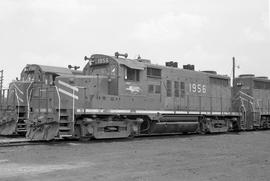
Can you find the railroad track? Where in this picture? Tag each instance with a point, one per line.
(17, 143)
(25, 142)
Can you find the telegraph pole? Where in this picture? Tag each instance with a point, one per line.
(1, 86)
(1, 79)
(233, 70)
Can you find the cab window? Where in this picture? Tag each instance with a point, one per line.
(28, 76)
(100, 70)
(153, 72)
(49, 79)
(132, 74)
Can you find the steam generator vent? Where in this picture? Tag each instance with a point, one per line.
(189, 67)
(171, 64)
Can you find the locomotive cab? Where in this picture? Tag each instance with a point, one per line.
(104, 67)
(91, 97)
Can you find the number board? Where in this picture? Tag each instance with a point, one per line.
(101, 61)
(197, 88)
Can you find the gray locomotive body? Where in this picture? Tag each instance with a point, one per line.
(251, 97)
(19, 99)
(119, 97)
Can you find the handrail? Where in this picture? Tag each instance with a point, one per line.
(73, 107)
(59, 102)
(28, 99)
(18, 102)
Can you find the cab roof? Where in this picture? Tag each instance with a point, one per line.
(124, 61)
(136, 64)
(50, 69)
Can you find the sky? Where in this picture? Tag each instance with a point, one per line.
(206, 33)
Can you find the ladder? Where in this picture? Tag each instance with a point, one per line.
(21, 125)
(66, 124)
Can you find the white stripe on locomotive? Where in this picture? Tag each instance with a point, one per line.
(68, 94)
(67, 85)
(81, 110)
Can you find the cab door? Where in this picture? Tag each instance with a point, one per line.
(113, 80)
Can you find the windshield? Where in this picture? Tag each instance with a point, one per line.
(101, 70)
(107, 70)
(28, 76)
(10, 98)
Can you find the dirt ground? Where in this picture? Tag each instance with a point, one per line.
(244, 156)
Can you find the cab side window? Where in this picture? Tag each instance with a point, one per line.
(132, 74)
(49, 79)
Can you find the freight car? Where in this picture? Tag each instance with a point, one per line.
(15, 101)
(119, 97)
(252, 98)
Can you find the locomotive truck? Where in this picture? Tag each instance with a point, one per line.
(117, 97)
(16, 100)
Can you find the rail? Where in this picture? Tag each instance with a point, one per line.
(25, 142)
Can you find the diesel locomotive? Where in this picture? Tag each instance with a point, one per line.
(16, 100)
(251, 97)
(117, 97)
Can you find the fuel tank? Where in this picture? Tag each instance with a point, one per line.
(175, 124)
